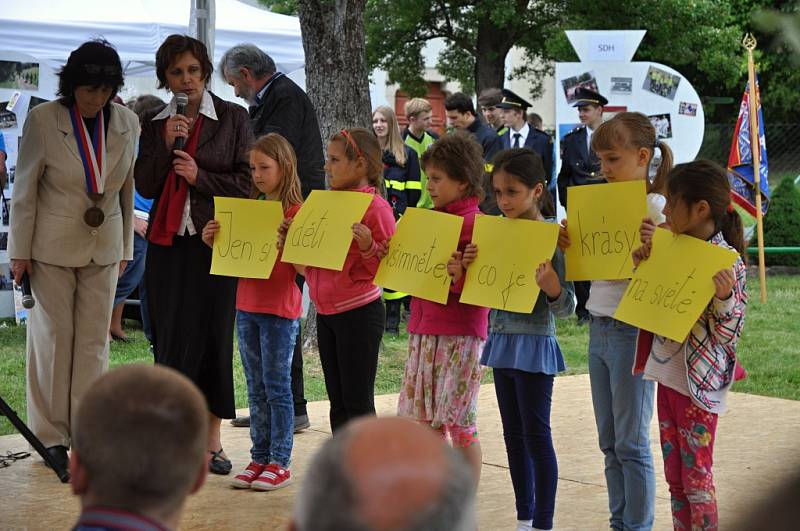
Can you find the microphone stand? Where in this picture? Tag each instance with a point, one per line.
(33, 440)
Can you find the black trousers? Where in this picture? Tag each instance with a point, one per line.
(348, 349)
(192, 318)
(298, 390)
(582, 294)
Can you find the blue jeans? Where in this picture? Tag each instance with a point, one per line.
(623, 409)
(134, 271)
(266, 343)
(524, 399)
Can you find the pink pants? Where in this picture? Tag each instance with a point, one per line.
(687, 442)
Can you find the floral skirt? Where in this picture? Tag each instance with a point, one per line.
(441, 380)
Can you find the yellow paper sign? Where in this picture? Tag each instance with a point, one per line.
(248, 231)
(322, 230)
(670, 289)
(503, 275)
(418, 253)
(604, 221)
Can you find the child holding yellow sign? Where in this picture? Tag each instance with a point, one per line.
(267, 322)
(350, 312)
(443, 373)
(523, 351)
(623, 403)
(694, 376)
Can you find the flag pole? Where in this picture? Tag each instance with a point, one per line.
(749, 43)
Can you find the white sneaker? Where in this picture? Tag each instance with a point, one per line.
(524, 525)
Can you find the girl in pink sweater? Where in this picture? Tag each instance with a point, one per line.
(443, 372)
(350, 313)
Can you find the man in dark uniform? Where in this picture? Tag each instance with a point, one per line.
(520, 134)
(580, 166)
(461, 115)
(278, 105)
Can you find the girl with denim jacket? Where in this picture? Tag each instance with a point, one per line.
(523, 351)
(694, 376)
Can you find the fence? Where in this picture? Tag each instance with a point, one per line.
(783, 148)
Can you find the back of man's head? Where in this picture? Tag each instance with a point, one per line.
(247, 56)
(458, 101)
(386, 474)
(140, 441)
(490, 97)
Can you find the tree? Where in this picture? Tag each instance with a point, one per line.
(478, 36)
(336, 74)
(337, 81)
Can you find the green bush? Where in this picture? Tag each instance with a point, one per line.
(782, 223)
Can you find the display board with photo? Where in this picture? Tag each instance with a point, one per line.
(661, 83)
(687, 109)
(17, 75)
(572, 84)
(621, 85)
(8, 120)
(663, 125)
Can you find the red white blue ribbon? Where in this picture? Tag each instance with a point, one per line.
(92, 149)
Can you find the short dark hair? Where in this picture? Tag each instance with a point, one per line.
(94, 63)
(460, 156)
(176, 45)
(460, 102)
(144, 103)
(525, 166)
(490, 97)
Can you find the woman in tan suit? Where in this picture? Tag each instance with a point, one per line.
(72, 233)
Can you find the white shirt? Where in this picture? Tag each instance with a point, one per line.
(666, 364)
(523, 135)
(207, 110)
(589, 133)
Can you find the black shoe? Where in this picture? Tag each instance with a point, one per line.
(241, 422)
(219, 464)
(584, 319)
(60, 456)
(301, 423)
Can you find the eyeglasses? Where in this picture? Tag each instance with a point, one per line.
(108, 70)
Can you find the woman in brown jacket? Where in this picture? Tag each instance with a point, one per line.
(192, 311)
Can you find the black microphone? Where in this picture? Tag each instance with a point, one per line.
(181, 100)
(28, 301)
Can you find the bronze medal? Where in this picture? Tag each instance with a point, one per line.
(93, 216)
(95, 197)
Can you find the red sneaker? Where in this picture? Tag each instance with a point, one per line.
(248, 475)
(272, 478)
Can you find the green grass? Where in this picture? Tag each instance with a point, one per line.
(769, 350)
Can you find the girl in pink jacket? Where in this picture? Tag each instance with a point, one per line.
(443, 372)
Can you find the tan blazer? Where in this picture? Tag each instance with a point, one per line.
(49, 197)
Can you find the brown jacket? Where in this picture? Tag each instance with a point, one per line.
(221, 157)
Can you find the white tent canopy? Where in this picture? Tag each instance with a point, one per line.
(50, 30)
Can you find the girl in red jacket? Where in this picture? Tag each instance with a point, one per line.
(267, 323)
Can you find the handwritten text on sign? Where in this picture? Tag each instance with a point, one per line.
(245, 244)
(418, 253)
(503, 275)
(670, 289)
(604, 221)
(322, 230)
